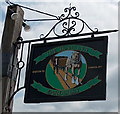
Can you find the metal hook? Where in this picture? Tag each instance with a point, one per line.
(92, 36)
(45, 41)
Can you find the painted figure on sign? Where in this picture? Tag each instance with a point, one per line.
(55, 64)
(73, 63)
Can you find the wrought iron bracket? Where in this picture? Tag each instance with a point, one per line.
(10, 99)
(66, 25)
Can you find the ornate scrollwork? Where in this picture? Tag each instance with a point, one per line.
(69, 13)
(68, 24)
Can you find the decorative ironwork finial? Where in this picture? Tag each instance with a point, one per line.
(70, 24)
(70, 5)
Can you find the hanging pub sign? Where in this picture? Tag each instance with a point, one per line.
(71, 70)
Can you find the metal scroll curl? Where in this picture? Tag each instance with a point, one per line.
(69, 13)
(69, 24)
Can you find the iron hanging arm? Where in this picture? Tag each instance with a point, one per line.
(83, 34)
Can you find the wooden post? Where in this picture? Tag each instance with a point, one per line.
(12, 31)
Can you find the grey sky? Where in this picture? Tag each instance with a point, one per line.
(101, 14)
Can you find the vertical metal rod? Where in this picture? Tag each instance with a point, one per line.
(68, 27)
(18, 82)
(21, 52)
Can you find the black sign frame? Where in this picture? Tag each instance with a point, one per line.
(33, 96)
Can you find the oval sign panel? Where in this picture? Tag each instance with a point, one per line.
(66, 70)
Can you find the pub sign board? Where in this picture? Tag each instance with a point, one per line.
(73, 70)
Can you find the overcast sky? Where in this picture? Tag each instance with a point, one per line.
(101, 14)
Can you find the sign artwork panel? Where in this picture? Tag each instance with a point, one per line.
(67, 71)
